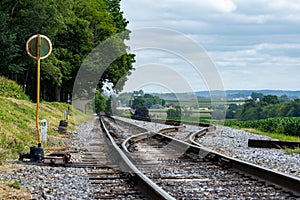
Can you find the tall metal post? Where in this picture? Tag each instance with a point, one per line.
(38, 47)
(38, 86)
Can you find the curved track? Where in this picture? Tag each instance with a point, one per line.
(187, 171)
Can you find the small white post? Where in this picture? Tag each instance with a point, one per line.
(44, 130)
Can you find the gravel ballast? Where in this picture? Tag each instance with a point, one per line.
(234, 143)
(45, 182)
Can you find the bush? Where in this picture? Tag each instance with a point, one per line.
(174, 113)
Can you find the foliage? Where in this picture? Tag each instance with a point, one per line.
(111, 106)
(292, 151)
(100, 102)
(138, 102)
(269, 106)
(9, 88)
(147, 100)
(286, 125)
(75, 29)
(174, 113)
(16, 184)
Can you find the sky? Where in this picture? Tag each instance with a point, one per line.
(253, 44)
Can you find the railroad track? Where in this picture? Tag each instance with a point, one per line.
(111, 174)
(108, 181)
(191, 172)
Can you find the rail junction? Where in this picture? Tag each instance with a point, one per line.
(127, 161)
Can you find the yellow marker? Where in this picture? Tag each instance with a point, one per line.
(38, 86)
(34, 50)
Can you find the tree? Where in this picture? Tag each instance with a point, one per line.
(269, 99)
(138, 102)
(257, 95)
(174, 113)
(284, 98)
(231, 111)
(75, 28)
(100, 102)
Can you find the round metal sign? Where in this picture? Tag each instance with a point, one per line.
(45, 46)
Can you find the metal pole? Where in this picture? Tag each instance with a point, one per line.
(38, 86)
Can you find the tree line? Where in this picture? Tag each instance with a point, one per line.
(75, 29)
(264, 106)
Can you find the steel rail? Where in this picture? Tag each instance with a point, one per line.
(284, 181)
(149, 188)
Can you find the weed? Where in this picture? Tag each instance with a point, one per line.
(16, 184)
(292, 151)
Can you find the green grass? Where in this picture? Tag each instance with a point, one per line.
(279, 136)
(18, 116)
(9, 88)
(17, 124)
(292, 151)
(284, 125)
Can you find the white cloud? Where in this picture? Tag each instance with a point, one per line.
(247, 39)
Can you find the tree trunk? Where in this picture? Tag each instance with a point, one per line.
(57, 93)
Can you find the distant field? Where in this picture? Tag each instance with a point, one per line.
(203, 104)
(162, 114)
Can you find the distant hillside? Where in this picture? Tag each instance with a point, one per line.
(230, 94)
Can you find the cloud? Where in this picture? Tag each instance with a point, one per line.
(247, 39)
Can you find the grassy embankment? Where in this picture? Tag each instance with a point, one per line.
(18, 131)
(17, 121)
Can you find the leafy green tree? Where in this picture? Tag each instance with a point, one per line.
(108, 108)
(138, 102)
(100, 102)
(231, 111)
(269, 99)
(174, 113)
(111, 106)
(75, 28)
(8, 48)
(269, 111)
